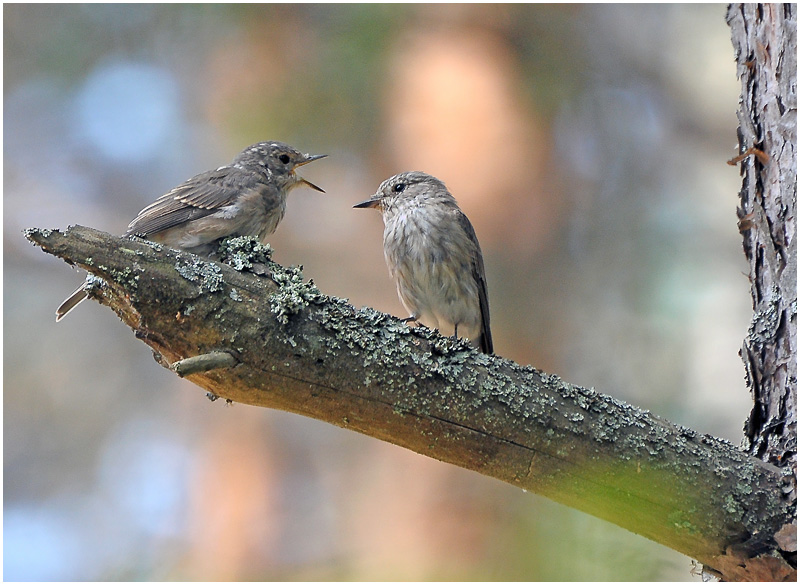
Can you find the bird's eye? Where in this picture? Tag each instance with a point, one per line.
(284, 158)
(399, 187)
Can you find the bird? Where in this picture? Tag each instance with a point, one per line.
(244, 198)
(434, 257)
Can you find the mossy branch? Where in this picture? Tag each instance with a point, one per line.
(296, 349)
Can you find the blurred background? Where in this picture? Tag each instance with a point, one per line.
(587, 144)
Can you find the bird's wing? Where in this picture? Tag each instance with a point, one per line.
(479, 274)
(197, 197)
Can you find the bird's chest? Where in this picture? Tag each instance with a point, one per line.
(416, 242)
(259, 212)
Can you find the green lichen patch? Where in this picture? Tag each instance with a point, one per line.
(128, 277)
(206, 275)
(31, 233)
(243, 252)
(94, 283)
(293, 294)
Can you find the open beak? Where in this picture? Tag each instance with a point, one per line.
(368, 203)
(310, 158)
(310, 184)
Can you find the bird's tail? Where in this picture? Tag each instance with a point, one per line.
(485, 341)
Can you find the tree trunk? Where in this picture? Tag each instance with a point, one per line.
(765, 42)
(298, 350)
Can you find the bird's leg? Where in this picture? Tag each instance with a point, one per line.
(410, 319)
(455, 331)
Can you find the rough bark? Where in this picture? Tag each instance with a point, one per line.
(765, 42)
(765, 39)
(299, 350)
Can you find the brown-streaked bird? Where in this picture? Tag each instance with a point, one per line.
(244, 198)
(433, 254)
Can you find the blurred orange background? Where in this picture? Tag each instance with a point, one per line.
(587, 144)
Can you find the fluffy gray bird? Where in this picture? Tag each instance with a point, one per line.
(244, 198)
(434, 256)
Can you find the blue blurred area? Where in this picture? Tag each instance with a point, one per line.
(127, 111)
(587, 145)
(42, 542)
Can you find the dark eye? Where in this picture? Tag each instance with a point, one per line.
(399, 187)
(284, 158)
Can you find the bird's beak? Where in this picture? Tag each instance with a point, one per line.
(368, 203)
(310, 158)
(310, 184)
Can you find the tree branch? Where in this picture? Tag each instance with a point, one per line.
(298, 350)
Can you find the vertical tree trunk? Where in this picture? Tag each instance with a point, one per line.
(765, 41)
